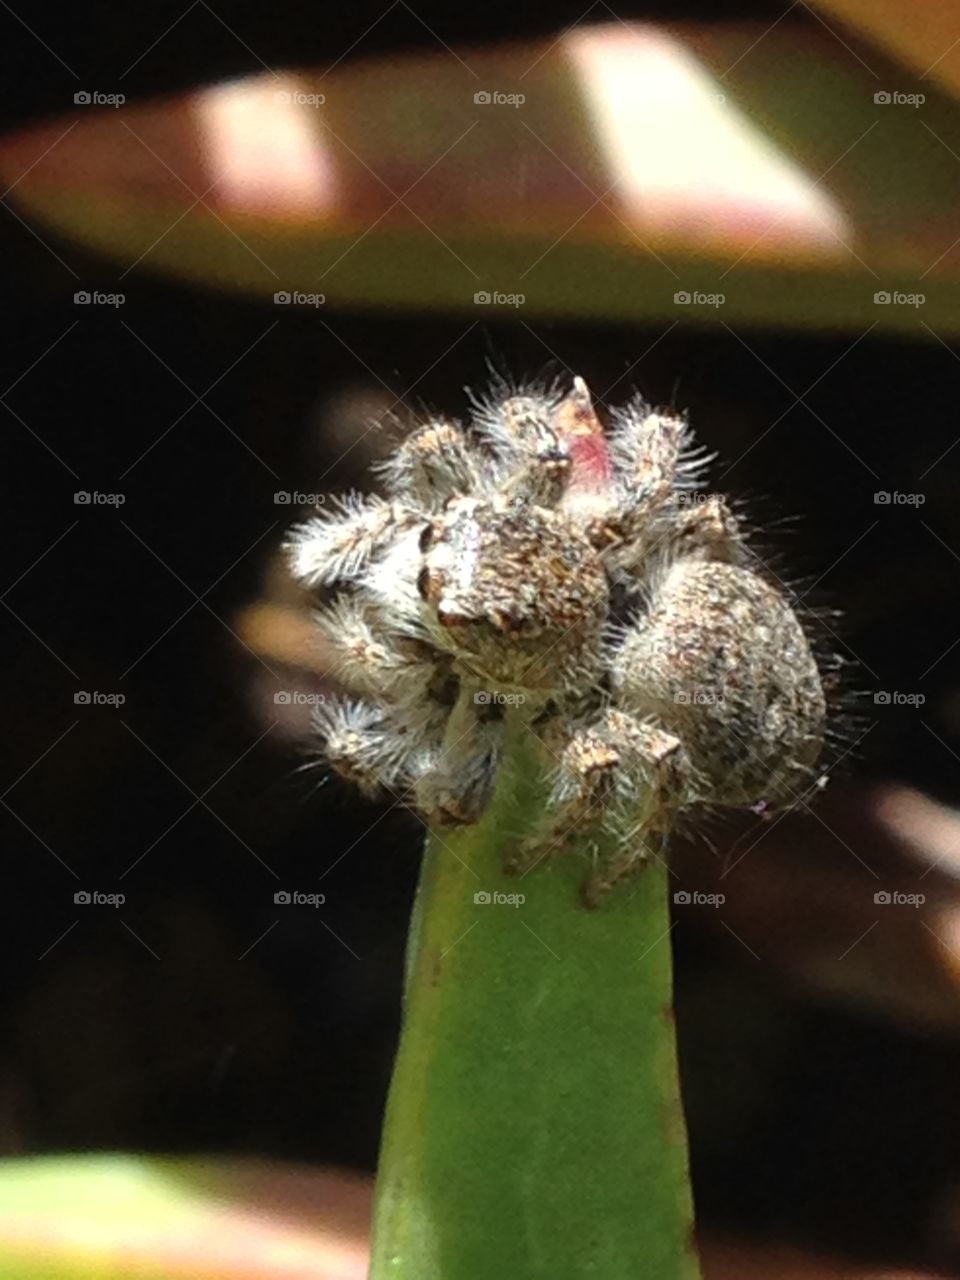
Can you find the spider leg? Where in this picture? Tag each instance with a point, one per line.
(580, 790)
(457, 775)
(652, 784)
(337, 546)
(433, 463)
(386, 668)
(455, 784)
(534, 462)
(362, 745)
(517, 423)
(621, 773)
(652, 459)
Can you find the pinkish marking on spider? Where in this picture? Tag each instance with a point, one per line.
(538, 558)
(577, 424)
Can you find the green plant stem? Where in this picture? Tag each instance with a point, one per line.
(534, 1127)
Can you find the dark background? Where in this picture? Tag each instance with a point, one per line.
(191, 1020)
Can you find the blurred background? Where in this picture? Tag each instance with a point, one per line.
(157, 664)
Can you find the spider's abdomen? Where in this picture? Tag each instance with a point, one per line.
(722, 658)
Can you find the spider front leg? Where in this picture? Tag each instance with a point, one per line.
(533, 463)
(646, 449)
(337, 546)
(455, 777)
(433, 463)
(375, 662)
(363, 745)
(621, 774)
(654, 462)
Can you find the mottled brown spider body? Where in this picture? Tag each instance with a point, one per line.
(510, 583)
(722, 660)
(537, 559)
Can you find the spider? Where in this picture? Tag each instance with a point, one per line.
(534, 562)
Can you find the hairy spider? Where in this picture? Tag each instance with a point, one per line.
(533, 559)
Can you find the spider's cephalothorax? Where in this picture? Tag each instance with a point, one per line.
(507, 581)
(535, 559)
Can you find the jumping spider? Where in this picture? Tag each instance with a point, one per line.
(536, 558)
